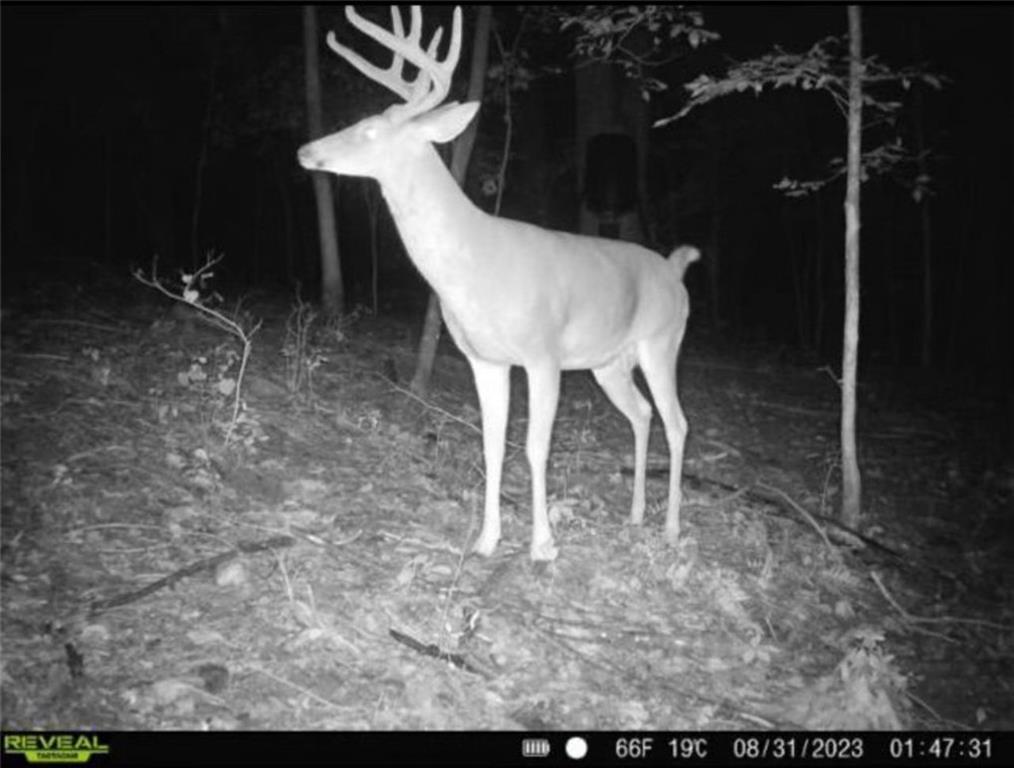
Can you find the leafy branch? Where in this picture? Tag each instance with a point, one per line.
(824, 67)
(638, 38)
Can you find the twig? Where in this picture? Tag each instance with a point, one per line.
(84, 454)
(431, 406)
(191, 296)
(39, 356)
(434, 650)
(955, 724)
(100, 606)
(301, 689)
(458, 570)
(83, 324)
(821, 412)
(831, 374)
(442, 411)
(933, 619)
(507, 118)
(806, 515)
(723, 500)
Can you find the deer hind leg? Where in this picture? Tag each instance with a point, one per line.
(657, 359)
(492, 382)
(543, 395)
(617, 381)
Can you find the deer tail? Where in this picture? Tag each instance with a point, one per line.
(682, 257)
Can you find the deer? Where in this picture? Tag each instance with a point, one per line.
(513, 293)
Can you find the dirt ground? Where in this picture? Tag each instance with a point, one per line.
(313, 572)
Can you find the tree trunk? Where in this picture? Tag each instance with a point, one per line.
(919, 115)
(611, 116)
(714, 268)
(796, 260)
(889, 265)
(459, 165)
(818, 331)
(152, 179)
(372, 195)
(288, 240)
(966, 245)
(256, 229)
(508, 118)
(714, 259)
(332, 292)
(202, 162)
(107, 197)
(851, 482)
(925, 221)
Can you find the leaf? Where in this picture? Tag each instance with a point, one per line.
(169, 690)
(205, 637)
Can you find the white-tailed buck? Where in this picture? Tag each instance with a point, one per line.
(513, 293)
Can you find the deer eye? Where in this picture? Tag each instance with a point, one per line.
(370, 132)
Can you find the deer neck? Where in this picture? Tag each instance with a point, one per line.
(436, 220)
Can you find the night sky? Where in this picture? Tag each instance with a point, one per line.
(109, 112)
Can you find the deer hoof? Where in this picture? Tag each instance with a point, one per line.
(544, 552)
(485, 545)
(672, 536)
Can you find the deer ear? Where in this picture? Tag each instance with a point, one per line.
(446, 122)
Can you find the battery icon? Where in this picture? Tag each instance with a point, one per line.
(535, 748)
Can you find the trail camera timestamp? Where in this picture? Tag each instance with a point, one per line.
(941, 748)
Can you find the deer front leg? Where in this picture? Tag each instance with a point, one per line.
(492, 382)
(543, 394)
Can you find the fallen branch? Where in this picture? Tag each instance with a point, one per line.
(433, 650)
(208, 564)
(802, 511)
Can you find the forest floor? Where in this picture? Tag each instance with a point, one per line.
(314, 573)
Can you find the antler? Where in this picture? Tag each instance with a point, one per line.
(431, 85)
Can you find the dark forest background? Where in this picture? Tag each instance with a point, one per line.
(135, 130)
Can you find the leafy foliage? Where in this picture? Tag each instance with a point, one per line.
(891, 158)
(638, 38)
(824, 67)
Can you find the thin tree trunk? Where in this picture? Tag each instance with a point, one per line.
(256, 227)
(288, 241)
(926, 356)
(508, 119)
(797, 269)
(809, 290)
(108, 198)
(647, 224)
(966, 245)
(373, 210)
(714, 261)
(332, 292)
(927, 282)
(818, 296)
(459, 165)
(897, 328)
(202, 162)
(851, 482)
